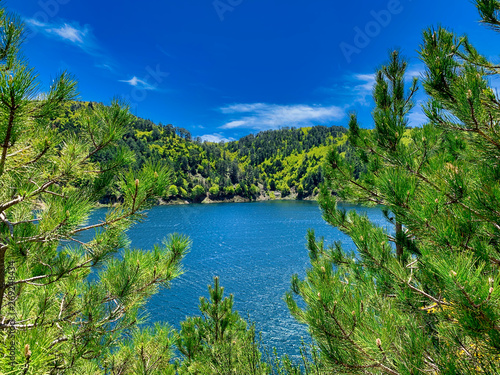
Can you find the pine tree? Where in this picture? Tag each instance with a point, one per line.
(68, 304)
(421, 296)
(219, 341)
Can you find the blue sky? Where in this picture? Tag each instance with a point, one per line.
(226, 68)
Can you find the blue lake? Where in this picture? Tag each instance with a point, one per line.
(254, 248)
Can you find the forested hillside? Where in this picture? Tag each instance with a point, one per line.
(269, 165)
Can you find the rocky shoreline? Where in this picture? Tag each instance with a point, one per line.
(263, 197)
(235, 199)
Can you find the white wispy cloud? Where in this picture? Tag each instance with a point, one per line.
(351, 89)
(363, 88)
(242, 108)
(362, 84)
(139, 83)
(235, 124)
(262, 116)
(69, 32)
(216, 138)
(33, 22)
(105, 66)
(417, 117)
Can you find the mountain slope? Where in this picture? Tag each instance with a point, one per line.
(270, 164)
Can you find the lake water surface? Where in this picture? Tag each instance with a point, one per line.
(254, 248)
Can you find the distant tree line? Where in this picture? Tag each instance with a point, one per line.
(272, 162)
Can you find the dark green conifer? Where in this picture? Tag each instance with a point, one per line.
(67, 302)
(423, 297)
(219, 341)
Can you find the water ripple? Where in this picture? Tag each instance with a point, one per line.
(254, 249)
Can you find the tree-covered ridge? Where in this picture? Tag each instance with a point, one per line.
(270, 164)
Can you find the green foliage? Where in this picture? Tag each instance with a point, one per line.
(291, 155)
(219, 341)
(77, 303)
(310, 363)
(285, 189)
(147, 351)
(214, 191)
(254, 190)
(173, 191)
(423, 296)
(420, 297)
(198, 192)
(490, 12)
(229, 190)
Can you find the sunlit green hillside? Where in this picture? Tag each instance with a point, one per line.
(268, 165)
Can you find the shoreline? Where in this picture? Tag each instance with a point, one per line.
(233, 199)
